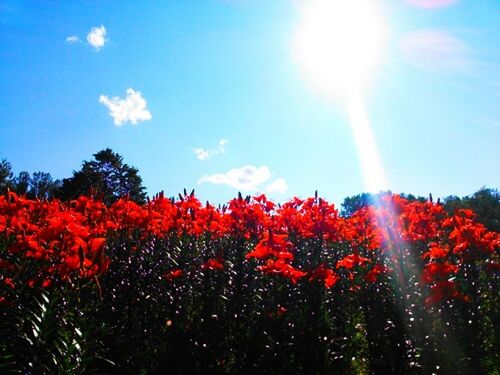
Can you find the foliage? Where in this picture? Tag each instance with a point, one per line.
(485, 203)
(352, 204)
(5, 176)
(104, 175)
(39, 186)
(252, 287)
(21, 183)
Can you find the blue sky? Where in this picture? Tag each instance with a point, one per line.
(218, 80)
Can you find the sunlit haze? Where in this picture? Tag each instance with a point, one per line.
(369, 159)
(339, 42)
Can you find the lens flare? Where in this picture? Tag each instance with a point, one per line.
(338, 42)
(369, 158)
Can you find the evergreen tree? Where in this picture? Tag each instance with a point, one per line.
(5, 176)
(42, 186)
(105, 175)
(21, 183)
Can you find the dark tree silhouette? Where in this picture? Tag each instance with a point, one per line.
(21, 183)
(5, 176)
(105, 175)
(485, 203)
(42, 186)
(354, 203)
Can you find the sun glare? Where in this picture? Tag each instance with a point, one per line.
(371, 165)
(338, 42)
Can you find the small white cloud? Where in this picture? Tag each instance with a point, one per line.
(97, 37)
(131, 109)
(247, 178)
(277, 186)
(203, 154)
(222, 143)
(72, 39)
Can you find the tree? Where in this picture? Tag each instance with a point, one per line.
(485, 203)
(21, 183)
(413, 198)
(5, 176)
(39, 186)
(354, 203)
(42, 186)
(105, 175)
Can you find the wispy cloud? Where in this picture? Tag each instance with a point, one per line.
(72, 39)
(203, 154)
(430, 4)
(277, 186)
(247, 178)
(97, 37)
(434, 50)
(130, 109)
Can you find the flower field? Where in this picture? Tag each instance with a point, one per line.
(177, 286)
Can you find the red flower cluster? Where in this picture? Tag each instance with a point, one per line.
(65, 239)
(68, 240)
(329, 277)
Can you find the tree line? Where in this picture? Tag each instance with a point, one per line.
(108, 177)
(105, 176)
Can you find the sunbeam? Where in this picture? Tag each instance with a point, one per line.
(338, 44)
(371, 165)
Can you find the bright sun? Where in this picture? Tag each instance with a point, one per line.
(338, 42)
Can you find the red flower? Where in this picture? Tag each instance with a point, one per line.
(283, 269)
(281, 311)
(444, 290)
(8, 281)
(351, 261)
(272, 245)
(46, 283)
(96, 244)
(372, 275)
(437, 270)
(73, 261)
(436, 251)
(172, 275)
(212, 265)
(329, 277)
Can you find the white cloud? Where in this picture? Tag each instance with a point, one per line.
(131, 109)
(277, 186)
(247, 178)
(222, 143)
(72, 39)
(97, 37)
(203, 154)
